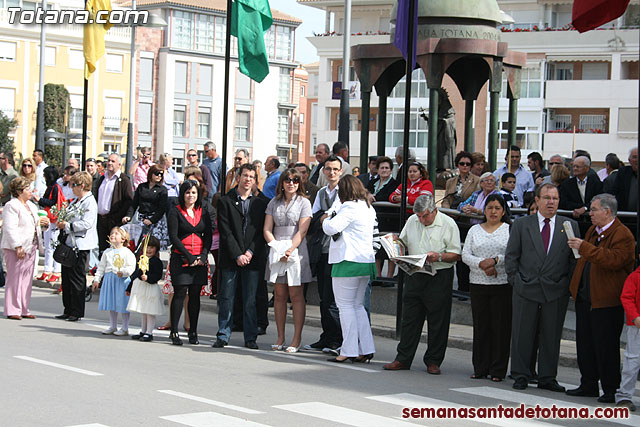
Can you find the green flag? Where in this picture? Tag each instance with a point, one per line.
(254, 17)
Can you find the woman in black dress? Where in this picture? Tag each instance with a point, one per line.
(190, 230)
(151, 200)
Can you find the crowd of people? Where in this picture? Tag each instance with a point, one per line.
(290, 224)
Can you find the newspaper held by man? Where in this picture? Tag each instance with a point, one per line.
(397, 252)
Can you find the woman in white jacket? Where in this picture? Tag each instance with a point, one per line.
(350, 226)
(21, 239)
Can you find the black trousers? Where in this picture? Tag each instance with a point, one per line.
(193, 306)
(491, 311)
(105, 224)
(74, 286)
(426, 297)
(598, 343)
(329, 315)
(262, 305)
(462, 272)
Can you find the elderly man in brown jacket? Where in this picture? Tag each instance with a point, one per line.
(606, 259)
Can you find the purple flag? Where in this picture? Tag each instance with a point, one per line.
(402, 30)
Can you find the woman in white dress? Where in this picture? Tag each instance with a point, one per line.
(285, 227)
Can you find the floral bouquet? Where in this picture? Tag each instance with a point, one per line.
(66, 213)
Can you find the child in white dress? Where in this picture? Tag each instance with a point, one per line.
(116, 265)
(146, 295)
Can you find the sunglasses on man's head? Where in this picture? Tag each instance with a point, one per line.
(293, 179)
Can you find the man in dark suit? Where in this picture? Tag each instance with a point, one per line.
(310, 189)
(242, 250)
(373, 172)
(114, 194)
(626, 184)
(539, 266)
(576, 192)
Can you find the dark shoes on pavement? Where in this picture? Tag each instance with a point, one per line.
(551, 386)
(219, 343)
(433, 369)
(626, 404)
(607, 398)
(262, 331)
(62, 316)
(395, 366)
(72, 319)
(521, 384)
(318, 346)
(251, 345)
(193, 338)
(580, 391)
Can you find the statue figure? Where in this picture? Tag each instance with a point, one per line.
(446, 131)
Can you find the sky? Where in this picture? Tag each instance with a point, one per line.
(312, 21)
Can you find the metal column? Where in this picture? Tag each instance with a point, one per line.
(469, 140)
(433, 134)
(364, 131)
(382, 122)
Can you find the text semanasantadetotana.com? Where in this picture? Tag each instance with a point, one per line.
(518, 412)
(77, 16)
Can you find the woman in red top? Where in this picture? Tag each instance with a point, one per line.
(190, 231)
(418, 185)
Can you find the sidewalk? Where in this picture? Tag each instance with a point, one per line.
(382, 325)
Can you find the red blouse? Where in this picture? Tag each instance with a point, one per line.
(193, 242)
(415, 190)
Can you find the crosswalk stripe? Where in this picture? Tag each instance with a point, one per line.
(532, 400)
(90, 425)
(210, 419)
(59, 366)
(341, 415)
(408, 400)
(211, 402)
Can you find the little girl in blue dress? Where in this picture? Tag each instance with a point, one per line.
(116, 265)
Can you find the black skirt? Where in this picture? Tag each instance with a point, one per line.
(183, 276)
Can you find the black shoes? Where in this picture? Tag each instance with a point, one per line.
(551, 386)
(365, 358)
(336, 360)
(175, 338)
(580, 391)
(72, 319)
(63, 316)
(607, 398)
(219, 343)
(521, 384)
(318, 345)
(193, 338)
(146, 338)
(251, 344)
(262, 331)
(137, 336)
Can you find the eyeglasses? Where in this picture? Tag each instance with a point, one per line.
(239, 158)
(191, 155)
(27, 166)
(76, 185)
(464, 164)
(158, 173)
(294, 179)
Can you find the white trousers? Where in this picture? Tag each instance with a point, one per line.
(49, 264)
(630, 365)
(357, 338)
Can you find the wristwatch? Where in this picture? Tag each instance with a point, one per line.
(440, 257)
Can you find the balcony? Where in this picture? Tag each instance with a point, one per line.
(112, 125)
(591, 93)
(597, 144)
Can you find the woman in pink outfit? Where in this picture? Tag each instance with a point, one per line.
(21, 239)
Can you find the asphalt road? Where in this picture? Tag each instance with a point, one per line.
(59, 373)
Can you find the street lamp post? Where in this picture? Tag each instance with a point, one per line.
(40, 111)
(66, 139)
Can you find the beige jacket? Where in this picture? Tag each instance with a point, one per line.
(19, 225)
(472, 184)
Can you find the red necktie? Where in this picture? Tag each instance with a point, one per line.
(546, 234)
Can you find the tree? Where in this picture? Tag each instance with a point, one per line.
(6, 125)
(56, 111)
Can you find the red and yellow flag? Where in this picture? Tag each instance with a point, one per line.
(93, 43)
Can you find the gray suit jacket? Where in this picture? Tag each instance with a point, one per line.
(534, 274)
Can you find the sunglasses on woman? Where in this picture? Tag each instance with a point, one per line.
(158, 173)
(27, 166)
(295, 180)
(464, 164)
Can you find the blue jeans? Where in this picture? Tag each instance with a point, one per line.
(229, 279)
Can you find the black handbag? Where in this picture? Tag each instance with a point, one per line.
(64, 254)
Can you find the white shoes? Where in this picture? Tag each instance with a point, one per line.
(109, 331)
(121, 332)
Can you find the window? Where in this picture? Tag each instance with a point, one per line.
(313, 83)
(112, 114)
(144, 118)
(7, 101)
(530, 83)
(204, 118)
(561, 122)
(178, 160)
(352, 74)
(628, 120)
(283, 42)
(146, 74)
(418, 86)
(395, 129)
(527, 137)
(181, 77)
(301, 118)
(314, 115)
(204, 79)
(50, 56)
(593, 123)
(558, 71)
(76, 59)
(7, 51)
(114, 63)
(595, 71)
(302, 90)
(283, 95)
(179, 116)
(283, 126)
(242, 126)
(270, 41)
(112, 148)
(181, 29)
(204, 32)
(243, 86)
(220, 34)
(353, 122)
(75, 115)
